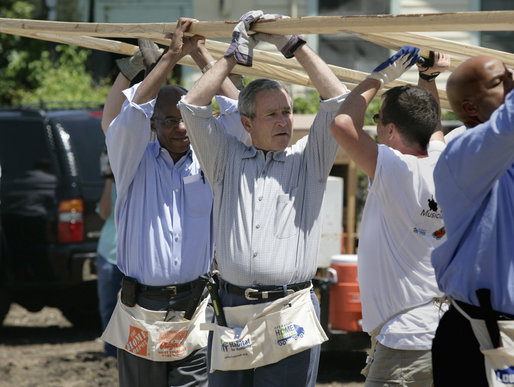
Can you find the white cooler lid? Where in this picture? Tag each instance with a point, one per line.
(343, 258)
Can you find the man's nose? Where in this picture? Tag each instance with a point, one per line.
(282, 119)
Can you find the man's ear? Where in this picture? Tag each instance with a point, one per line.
(247, 123)
(152, 125)
(470, 108)
(471, 111)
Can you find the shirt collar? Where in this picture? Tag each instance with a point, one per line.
(157, 150)
(251, 152)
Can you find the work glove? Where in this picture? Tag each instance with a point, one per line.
(151, 53)
(429, 68)
(286, 44)
(396, 65)
(242, 43)
(131, 66)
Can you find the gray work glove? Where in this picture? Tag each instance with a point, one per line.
(242, 43)
(286, 44)
(151, 53)
(396, 65)
(131, 66)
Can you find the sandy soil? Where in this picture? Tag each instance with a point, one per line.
(44, 349)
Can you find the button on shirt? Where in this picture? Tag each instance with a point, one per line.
(266, 206)
(163, 210)
(474, 180)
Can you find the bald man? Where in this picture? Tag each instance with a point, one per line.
(474, 267)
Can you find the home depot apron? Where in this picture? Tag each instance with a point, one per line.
(499, 362)
(144, 332)
(262, 334)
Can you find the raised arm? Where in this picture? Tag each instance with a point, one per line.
(180, 46)
(240, 51)
(205, 61)
(437, 63)
(145, 58)
(347, 127)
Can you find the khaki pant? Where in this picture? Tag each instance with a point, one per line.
(396, 367)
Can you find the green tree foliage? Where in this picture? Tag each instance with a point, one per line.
(66, 80)
(38, 71)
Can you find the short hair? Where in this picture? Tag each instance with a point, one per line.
(169, 94)
(414, 111)
(246, 102)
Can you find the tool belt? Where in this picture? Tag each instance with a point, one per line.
(495, 334)
(259, 334)
(130, 289)
(480, 313)
(149, 334)
(275, 293)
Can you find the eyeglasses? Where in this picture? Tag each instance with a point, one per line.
(169, 122)
(376, 118)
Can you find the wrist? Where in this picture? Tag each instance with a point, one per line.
(208, 66)
(428, 77)
(201, 56)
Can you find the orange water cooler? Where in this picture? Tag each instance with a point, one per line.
(345, 302)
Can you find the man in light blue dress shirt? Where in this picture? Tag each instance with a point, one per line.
(164, 205)
(474, 180)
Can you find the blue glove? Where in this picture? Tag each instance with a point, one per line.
(395, 65)
(242, 43)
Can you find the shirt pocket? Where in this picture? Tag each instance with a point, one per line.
(197, 197)
(285, 215)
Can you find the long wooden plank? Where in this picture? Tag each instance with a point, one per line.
(265, 64)
(456, 21)
(107, 45)
(457, 50)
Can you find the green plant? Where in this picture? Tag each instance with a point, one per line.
(64, 81)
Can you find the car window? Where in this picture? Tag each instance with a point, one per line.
(88, 141)
(24, 146)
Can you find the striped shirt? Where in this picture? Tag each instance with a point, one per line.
(267, 220)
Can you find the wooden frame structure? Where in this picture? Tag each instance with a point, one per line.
(390, 31)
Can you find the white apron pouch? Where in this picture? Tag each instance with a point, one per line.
(144, 332)
(499, 362)
(262, 334)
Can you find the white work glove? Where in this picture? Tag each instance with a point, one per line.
(286, 44)
(396, 65)
(242, 43)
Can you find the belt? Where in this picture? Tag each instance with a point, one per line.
(169, 290)
(479, 313)
(253, 294)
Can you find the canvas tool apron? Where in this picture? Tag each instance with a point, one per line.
(262, 334)
(144, 332)
(499, 361)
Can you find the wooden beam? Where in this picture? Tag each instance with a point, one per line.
(93, 43)
(265, 64)
(456, 21)
(457, 51)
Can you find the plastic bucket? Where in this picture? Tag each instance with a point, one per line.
(345, 302)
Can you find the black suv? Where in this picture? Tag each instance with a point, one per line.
(49, 190)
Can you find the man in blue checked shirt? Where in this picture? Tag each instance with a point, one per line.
(164, 225)
(474, 180)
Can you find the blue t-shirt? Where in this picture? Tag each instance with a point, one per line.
(107, 242)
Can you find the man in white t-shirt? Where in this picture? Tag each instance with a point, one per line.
(401, 223)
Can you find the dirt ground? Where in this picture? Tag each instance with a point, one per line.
(43, 349)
